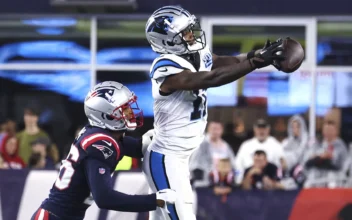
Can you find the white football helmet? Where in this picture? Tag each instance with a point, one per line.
(113, 106)
(166, 29)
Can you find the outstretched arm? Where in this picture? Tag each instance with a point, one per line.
(228, 60)
(219, 61)
(188, 80)
(100, 183)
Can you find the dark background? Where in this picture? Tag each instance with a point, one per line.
(206, 7)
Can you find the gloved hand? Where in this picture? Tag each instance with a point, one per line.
(276, 63)
(252, 53)
(267, 44)
(165, 197)
(146, 140)
(267, 55)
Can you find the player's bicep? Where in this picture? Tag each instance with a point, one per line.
(96, 170)
(166, 68)
(162, 74)
(98, 176)
(174, 82)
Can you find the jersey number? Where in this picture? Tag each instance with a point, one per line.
(66, 170)
(199, 105)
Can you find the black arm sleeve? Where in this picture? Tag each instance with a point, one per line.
(100, 183)
(133, 147)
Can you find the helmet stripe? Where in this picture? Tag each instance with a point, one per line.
(170, 8)
(184, 11)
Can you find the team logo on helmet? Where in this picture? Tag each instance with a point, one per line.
(103, 93)
(159, 25)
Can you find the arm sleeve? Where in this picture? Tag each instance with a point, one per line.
(133, 147)
(100, 184)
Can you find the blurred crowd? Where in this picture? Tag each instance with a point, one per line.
(240, 160)
(27, 148)
(229, 158)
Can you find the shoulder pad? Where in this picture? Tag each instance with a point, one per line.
(102, 142)
(169, 64)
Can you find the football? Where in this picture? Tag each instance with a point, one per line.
(294, 53)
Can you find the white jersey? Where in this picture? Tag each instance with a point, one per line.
(180, 117)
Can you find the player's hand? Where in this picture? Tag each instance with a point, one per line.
(165, 197)
(252, 53)
(268, 54)
(267, 44)
(146, 140)
(276, 63)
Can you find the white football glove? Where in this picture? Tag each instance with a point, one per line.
(168, 196)
(146, 140)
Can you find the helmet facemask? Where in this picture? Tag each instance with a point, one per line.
(129, 113)
(197, 41)
(193, 37)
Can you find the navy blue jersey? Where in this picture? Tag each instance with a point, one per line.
(87, 169)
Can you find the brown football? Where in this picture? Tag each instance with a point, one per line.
(294, 53)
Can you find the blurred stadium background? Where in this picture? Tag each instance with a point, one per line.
(52, 52)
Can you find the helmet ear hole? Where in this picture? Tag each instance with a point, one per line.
(108, 117)
(170, 43)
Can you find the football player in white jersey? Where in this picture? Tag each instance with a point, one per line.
(180, 76)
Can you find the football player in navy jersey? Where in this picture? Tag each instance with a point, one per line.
(85, 175)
